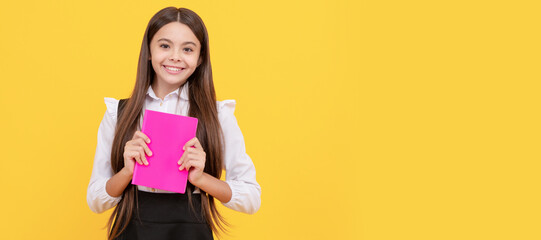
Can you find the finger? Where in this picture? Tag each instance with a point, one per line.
(196, 154)
(129, 143)
(188, 144)
(133, 148)
(142, 155)
(197, 164)
(194, 142)
(186, 159)
(143, 144)
(188, 165)
(195, 158)
(135, 155)
(181, 160)
(183, 166)
(198, 144)
(189, 150)
(139, 134)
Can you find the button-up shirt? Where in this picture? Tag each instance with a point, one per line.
(239, 168)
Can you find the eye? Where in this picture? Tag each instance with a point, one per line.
(188, 50)
(164, 46)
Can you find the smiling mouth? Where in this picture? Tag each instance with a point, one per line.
(173, 69)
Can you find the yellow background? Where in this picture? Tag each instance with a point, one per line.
(373, 119)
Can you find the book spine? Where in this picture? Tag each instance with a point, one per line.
(143, 129)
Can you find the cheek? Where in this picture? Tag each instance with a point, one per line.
(193, 61)
(157, 60)
(158, 56)
(155, 64)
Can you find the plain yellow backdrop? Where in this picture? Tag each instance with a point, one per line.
(365, 119)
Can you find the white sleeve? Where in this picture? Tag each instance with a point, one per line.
(239, 168)
(97, 198)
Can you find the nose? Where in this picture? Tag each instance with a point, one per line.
(175, 56)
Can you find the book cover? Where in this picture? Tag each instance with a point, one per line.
(168, 133)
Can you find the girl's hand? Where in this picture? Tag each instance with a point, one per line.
(135, 150)
(193, 160)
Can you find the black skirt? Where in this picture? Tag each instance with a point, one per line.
(167, 216)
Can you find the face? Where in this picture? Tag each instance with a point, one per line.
(174, 52)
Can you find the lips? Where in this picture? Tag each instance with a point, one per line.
(173, 69)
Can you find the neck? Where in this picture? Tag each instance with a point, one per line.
(162, 89)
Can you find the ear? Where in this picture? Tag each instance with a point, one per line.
(199, 61)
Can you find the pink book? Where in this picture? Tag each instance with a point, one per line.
(168, 133)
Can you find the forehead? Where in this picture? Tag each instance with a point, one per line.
(176, 32)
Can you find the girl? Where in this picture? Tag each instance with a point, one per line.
(174, 75)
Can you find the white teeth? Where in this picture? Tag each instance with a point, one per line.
(174, 69)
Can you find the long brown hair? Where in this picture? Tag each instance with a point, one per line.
(202, 100)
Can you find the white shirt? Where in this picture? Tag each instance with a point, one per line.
(240, 170)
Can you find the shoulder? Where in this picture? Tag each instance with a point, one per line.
(226, 107)
(112, 107)
(226, 111)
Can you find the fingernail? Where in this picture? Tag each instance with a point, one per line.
(148, 140)
(184, 148)
(150, 154)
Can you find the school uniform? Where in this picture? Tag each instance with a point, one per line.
(161, 207)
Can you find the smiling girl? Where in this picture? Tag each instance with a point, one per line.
(174, 75)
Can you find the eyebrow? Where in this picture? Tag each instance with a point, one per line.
(171, 42)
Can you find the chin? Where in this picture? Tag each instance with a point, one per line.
(175, 82)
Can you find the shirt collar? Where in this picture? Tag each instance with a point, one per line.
(182, 89)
